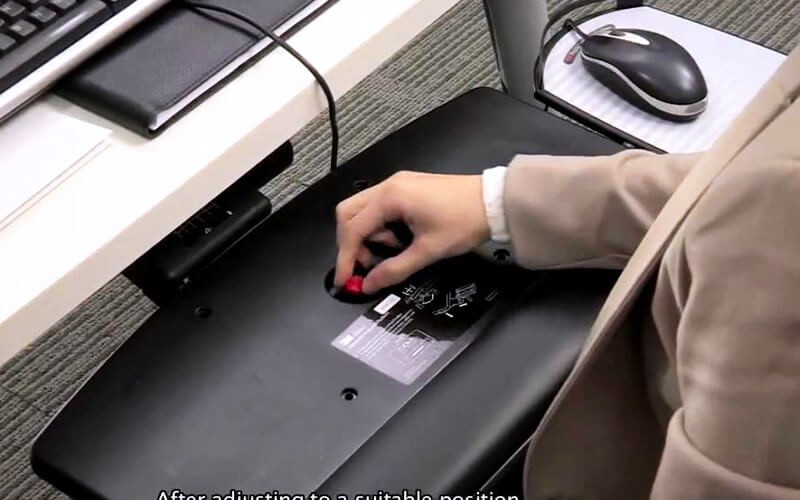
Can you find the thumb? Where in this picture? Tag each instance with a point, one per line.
(396, 269)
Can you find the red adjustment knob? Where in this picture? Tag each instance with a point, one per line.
(354, 285)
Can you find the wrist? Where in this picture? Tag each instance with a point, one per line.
(481, 230)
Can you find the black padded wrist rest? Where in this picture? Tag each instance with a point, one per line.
(249, 397)
(166, 58)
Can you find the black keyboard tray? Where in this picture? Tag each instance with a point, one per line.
(237, 386)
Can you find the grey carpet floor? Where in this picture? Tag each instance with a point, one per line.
(449, 58)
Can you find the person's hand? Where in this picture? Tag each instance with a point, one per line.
(445, 213)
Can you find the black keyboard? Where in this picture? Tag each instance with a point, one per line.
(33, 32)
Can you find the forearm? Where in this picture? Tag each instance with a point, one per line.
(585, 211)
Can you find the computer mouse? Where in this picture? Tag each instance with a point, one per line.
(649, 70)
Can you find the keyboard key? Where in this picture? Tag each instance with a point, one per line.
(6, 43)
(11, 11)
(2, 23)
(62, 5)
(22, 29)
(118, 5)
(42, 16)
(24, 58)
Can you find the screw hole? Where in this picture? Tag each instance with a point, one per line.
(361, 184)
(501, 255)
(203, 312)
(349, 394)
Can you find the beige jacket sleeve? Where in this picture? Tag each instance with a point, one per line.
(566, 211)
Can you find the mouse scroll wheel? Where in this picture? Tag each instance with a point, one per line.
(628, 37)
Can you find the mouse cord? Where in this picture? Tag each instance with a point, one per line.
(571, 24)
(288, 48)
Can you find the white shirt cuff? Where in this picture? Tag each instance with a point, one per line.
(493, 188)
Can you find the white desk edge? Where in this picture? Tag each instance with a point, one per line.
(112, 210)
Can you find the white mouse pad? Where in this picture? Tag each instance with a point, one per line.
(734, 70)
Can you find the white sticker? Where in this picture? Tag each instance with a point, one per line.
(387, 303)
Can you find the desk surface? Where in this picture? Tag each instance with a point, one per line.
(134, 193)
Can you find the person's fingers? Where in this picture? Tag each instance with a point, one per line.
(396, 269)
(385, 237)
(366, 258)
(345, 262)
(348, 209)
(351, 235)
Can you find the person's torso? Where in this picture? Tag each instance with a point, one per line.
(677, 302)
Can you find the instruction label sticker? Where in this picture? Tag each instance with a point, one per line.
(403, 334)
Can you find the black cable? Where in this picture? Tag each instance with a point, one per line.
(574, 27)
(563, 11)
(546, 44)
(288, 48)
